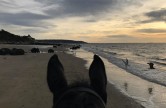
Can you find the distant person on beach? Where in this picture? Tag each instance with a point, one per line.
(151, 65)
(126, 62)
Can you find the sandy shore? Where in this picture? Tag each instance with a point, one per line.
(23, 81)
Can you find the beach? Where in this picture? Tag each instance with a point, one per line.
(23, 81)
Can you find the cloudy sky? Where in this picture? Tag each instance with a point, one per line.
(87, 20)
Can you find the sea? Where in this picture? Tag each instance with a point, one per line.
(142, 53)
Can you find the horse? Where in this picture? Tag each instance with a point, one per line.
(77, 95)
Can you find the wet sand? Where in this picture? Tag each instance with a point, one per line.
(23, 81)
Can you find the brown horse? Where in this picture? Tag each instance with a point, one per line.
(78, 95)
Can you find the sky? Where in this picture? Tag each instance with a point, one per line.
(94, 21)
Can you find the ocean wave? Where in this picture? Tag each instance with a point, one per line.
(164, 59)
(158, 58)
(110, 53)
(137, 54)
(159, 63)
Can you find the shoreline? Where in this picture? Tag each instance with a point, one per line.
(144, 74)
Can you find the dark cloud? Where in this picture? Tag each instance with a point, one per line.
(90, 20)
(79, 8)
(23, 19)
(83, 8)
(155, 16)
(87, 7)
(120, 36)
(34, 30)
(152, 30)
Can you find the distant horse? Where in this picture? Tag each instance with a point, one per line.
(78, 95)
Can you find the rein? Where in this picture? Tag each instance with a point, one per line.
(81, 89)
